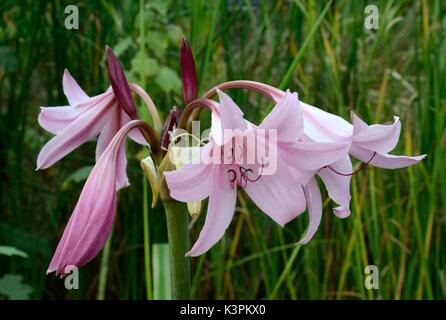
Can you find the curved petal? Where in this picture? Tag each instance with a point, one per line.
(122, 181)
(221, 208)
(111, 127)
(72, 90)
(286, 118)
(135, 134)
(359, 125)
(379, 138)
(341, 212)
(56, 119)
(313, 155)
(279, 195)
(84, 128)
(192, 182)
(229, 119)
(314, 203)
(91, 221)
(386, 161)
(338, 186)
(320, 125)
(115, 122)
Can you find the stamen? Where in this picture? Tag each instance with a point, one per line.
(233, 179)
(362, 166)
(244, 178)
(250, 170)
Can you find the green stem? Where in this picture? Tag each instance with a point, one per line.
(146, 231)
(178, 234)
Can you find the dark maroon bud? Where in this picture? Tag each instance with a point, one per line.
(120, 85)
(188, 72)
(171, 124)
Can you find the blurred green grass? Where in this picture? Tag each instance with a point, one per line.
(398, 216)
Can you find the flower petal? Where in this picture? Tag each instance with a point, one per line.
(115, 122)
(320, 125)
(313, 155)
(386, 161)
(338, 186)
(111, 127)
(56, 119)
(279, 195)
(221, 208)
(229, 119)
(379, 138)
(72, 90)
(134, 134)
(341, 212)
(193, 181)
(91, 221)
(286, 118)
(84, 128)
(314, 204)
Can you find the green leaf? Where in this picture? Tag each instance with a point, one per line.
(11, 251)
(162, 289)
(157, 42)
(12, 287)
(80, 175)
(168, 80)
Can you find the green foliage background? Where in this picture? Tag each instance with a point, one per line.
(398, 216)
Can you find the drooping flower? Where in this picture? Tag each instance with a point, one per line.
(278, 193)
(88, 117)
(90, 223)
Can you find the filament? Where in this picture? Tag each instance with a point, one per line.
(362, 166)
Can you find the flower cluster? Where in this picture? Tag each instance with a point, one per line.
(297, 142)
(309, 142)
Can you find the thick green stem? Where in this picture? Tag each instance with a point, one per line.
(178, 233)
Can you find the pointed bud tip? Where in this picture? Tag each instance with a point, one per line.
(184, 42)
(188, 72)
(119, 84)
(111, 57)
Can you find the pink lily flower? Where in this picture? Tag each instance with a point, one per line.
(90, 223)
(88, 117)
(370, 144)
(279, 194)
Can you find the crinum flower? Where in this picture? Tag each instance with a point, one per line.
(224, 165)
